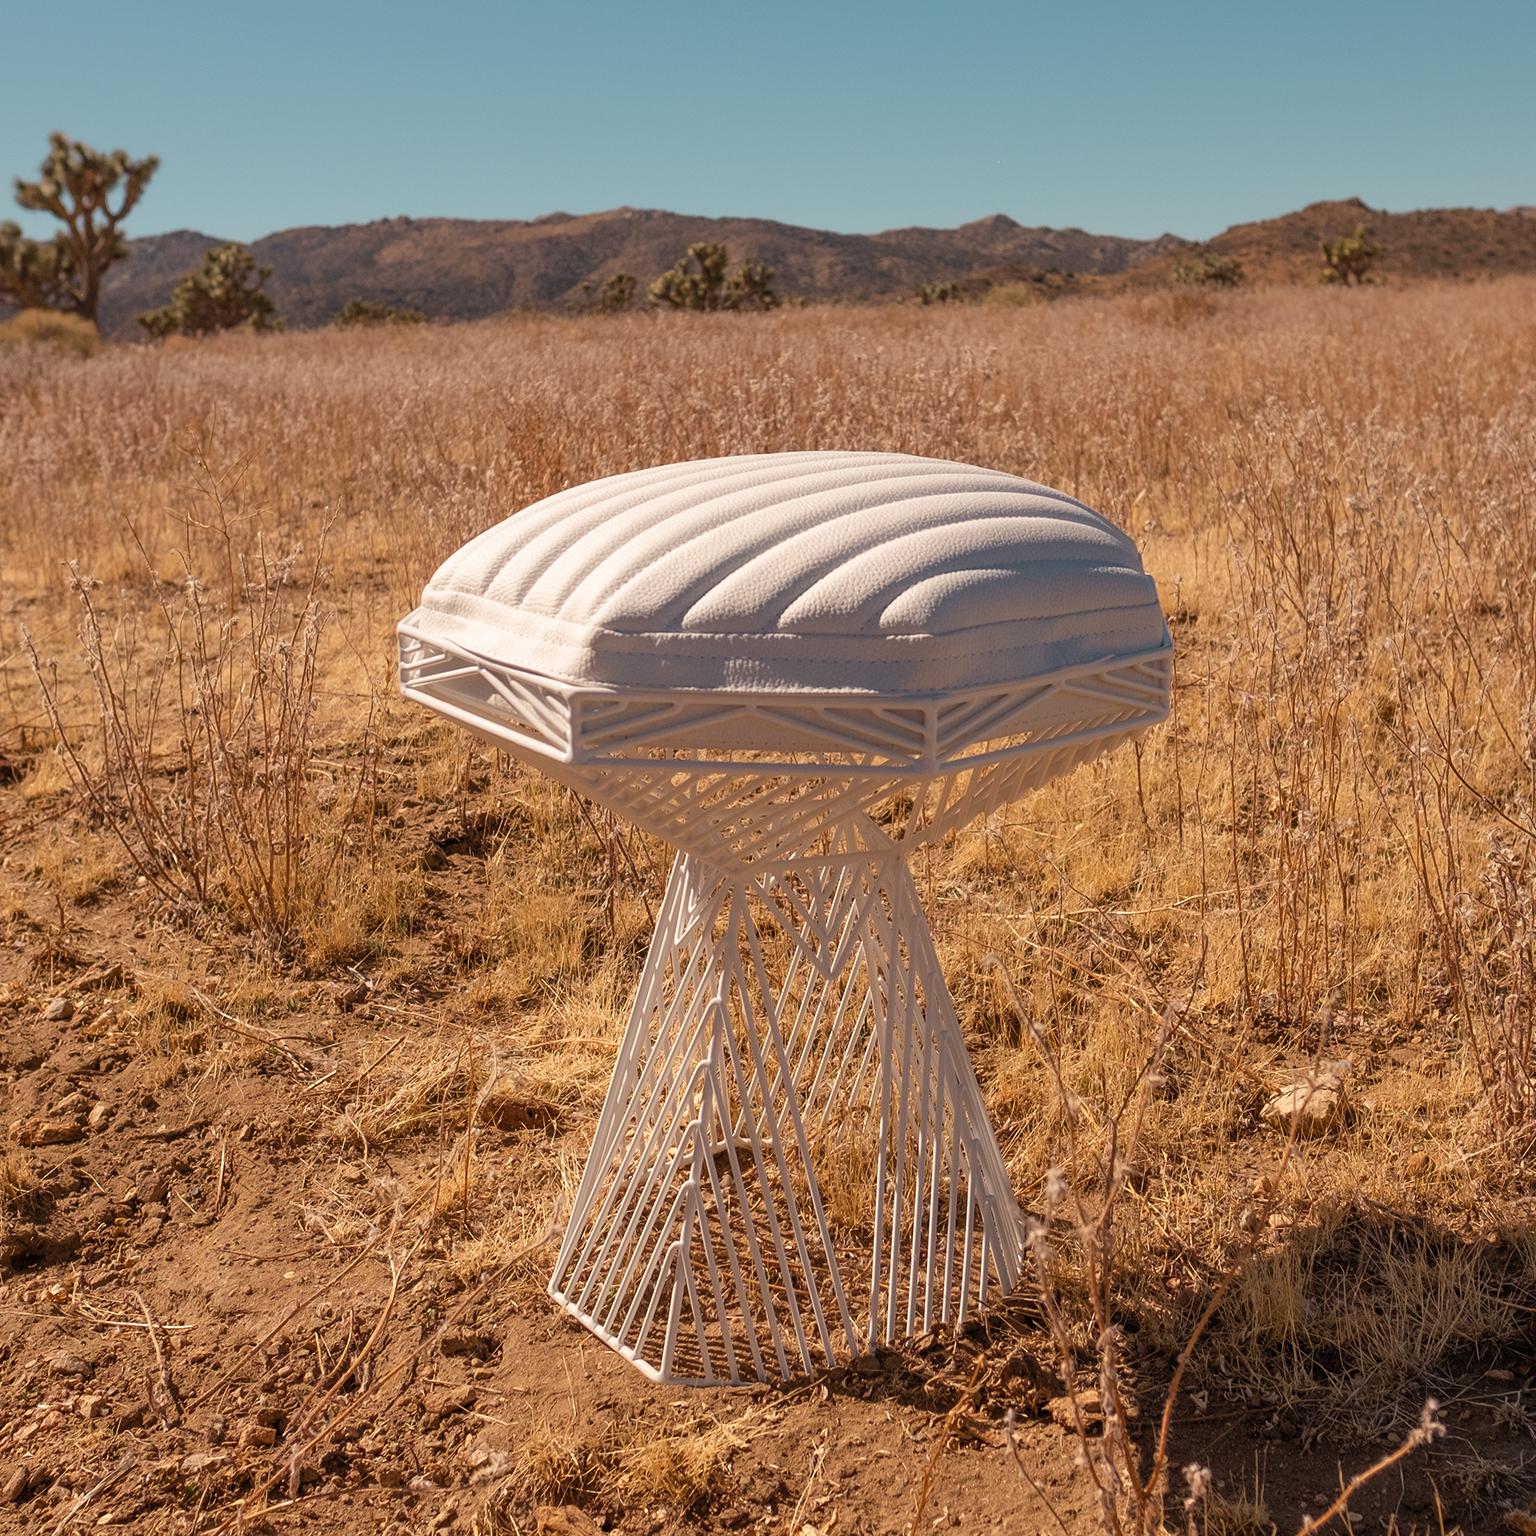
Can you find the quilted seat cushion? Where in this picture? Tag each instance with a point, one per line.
(798, 572)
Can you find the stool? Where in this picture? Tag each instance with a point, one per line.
(794, 668)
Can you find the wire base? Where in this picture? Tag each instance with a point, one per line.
(793, 1164)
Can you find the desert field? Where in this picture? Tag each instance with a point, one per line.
(308, 1003)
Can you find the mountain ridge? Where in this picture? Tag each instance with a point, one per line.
(463, 269)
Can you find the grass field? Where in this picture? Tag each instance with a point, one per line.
(307, 1004)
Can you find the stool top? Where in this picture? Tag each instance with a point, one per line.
(864, 573)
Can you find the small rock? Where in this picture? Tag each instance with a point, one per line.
(215, 1429)
(46, 1133)
(67, 1363)
(102, 976)
(59, 1010)
(98, 1116)
(468, 1341)
(257, 1437)
(564, 1520)
(1498, 1373)
(490, 1468)
(1312, 1107)
(91, 1406)
(1089, 1404)
(202, 1461)
(15, 1489)
(443, 1404)
(153, 1189)
(151, 1228)
(132, 1416)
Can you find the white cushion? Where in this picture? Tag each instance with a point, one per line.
(798, 572)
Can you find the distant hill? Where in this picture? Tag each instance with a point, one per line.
(1430, 243)
(461, 269)
(465, 268)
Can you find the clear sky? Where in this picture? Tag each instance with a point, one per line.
(1124, 118)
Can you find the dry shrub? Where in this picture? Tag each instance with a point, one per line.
(200, 757)
(53, 328)
(680, 1467)
(1222, 1514)
(1347, 1314)
(676, 1467)
(553, 1465)
(78, 866)
(435, 1085)
(18, 1179)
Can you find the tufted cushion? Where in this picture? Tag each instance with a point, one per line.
(861, 572)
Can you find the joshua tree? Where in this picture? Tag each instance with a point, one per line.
(705, 285)
(1349, 259)
(614, 297)
(371, 312)
(223, 293)
(1208, 270)
(76, 184)
(617, 294)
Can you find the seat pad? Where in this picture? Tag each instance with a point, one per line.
(799, 573)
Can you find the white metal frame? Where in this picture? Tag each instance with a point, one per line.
(761, 777)
(793, 1163)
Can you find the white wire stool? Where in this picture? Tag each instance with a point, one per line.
(793, 1164)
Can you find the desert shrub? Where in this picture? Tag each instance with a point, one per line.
(1019, 287)
(700, 281)
(613, 298)
(1012, 295)
(1208, 269)
(373, 312)
(51, 328)
(1350, 258)
(939, 293)
(224, 294)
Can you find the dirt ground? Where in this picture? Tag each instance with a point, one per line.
(215, 1317)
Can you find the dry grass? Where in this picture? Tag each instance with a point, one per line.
(1329, 851)
(675, 1468)
(18, 1178)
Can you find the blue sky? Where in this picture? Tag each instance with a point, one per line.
(1123, 118)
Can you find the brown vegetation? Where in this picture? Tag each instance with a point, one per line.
(306, 1004)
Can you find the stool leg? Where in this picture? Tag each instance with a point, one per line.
(792, 1105)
